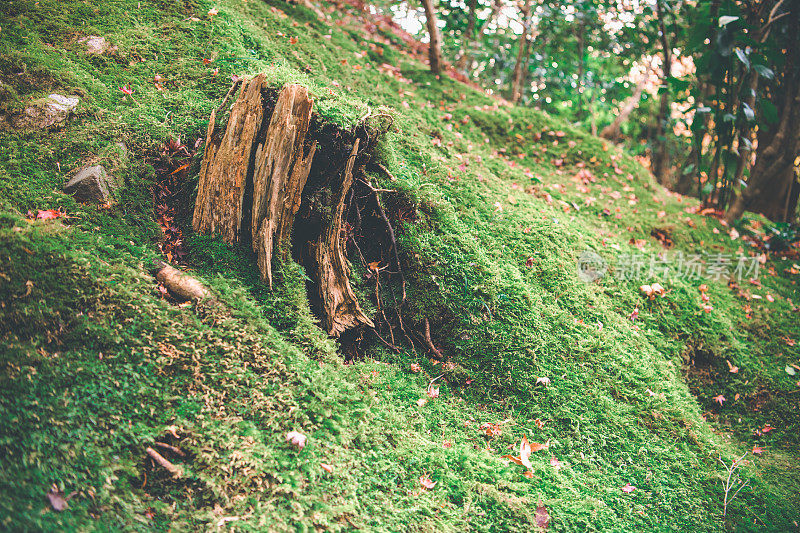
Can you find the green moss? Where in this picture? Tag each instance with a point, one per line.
(96, 365)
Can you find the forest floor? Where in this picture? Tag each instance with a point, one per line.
(636, 402)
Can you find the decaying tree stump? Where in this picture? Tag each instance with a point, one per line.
(341, 308)
(251, 184)
(280, 173)
(225, 168)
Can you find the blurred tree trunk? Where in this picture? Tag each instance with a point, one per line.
(581, 63)
(522, 52)
(660, 158)
(435, 46)
(772, 181)
(612, 131)
(772, 186)
(463, 58)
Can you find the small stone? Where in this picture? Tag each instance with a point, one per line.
(95, 45)
(46, 112)
(92, 184)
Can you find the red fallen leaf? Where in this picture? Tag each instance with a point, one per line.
(524, 454)
(416, 368)
(206, 61)
(719, 399)
(635, 314)
(529, 262)
(628, 488)
(49, 213)
(767, 429)
(555, 463)
(126, 89)
(541, 516)
(432, 391)
(758, 450)
(426, 482)
(535, 446)
(292, 40)
(732, 368)
(539, 423)
(491, 430)
(326, 467)
(447, 443)
(528, 474)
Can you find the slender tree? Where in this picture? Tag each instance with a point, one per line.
(435, 46)
(660, 157)
(463, 58)
(522, 52)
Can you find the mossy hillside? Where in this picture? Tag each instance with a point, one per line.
(504, 323)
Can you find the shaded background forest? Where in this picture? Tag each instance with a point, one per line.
(705, 92)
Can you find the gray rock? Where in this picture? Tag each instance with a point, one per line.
(45, 112)
(92, 184)
(94, 45)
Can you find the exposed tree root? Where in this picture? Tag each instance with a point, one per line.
(169, 467)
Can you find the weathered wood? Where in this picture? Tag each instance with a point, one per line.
(169, 467)
(340, 306)
(272, 161)
(180, 284)
(226, 163)
(280, 172)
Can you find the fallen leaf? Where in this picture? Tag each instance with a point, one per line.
(422, 401)
(326, 467)
(733, 369)
(767, 428)
(541, 517)
(416, 368)
(57, 498)
(433, 392)
(49, 213)
(296, 438)
(543, 381)
(719, 399)
(491, 430)
(426, 482)
(628, 488)
(555, 463)
(758, 450)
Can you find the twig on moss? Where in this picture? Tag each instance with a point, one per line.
(228, 95)
(169, 467)
(171, 448)
(429, 342)
(384, 341)
(390, 231)
(732, 482)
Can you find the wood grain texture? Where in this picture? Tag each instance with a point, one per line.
(341, 309)
(226, 165)
(280, 171)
